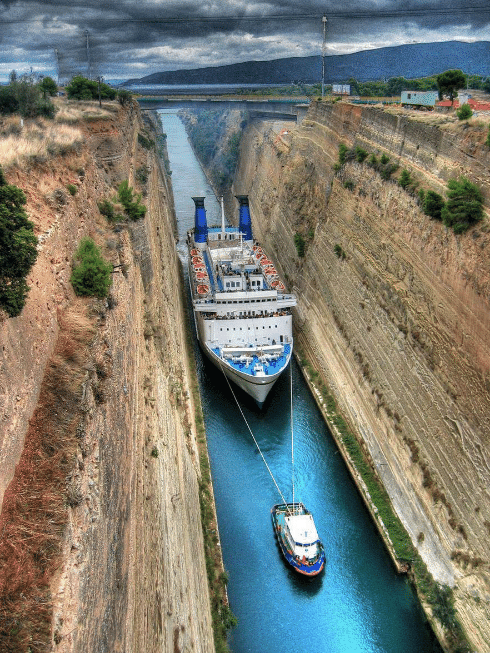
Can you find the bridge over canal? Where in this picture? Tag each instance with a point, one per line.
(260, 108)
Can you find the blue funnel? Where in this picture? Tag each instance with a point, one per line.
(245, 224)
(200, 224)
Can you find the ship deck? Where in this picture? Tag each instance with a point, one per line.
(247, 363)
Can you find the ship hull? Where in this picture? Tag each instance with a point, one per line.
(257, 387)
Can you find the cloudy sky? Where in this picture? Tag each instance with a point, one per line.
(132, 38)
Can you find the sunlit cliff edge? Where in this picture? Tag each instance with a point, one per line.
(394, 315)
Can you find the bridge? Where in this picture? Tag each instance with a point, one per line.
(260, 108)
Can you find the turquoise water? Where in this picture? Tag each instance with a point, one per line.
(359, 605)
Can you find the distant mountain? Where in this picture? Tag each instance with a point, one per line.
(410, 61)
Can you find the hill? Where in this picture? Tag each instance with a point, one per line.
(410, 61)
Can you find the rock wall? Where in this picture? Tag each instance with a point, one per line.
(132, 574)
(394, 310)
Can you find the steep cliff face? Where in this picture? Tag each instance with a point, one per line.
(129, 573)
(394, 310)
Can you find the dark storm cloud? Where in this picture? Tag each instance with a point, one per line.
(131, 38)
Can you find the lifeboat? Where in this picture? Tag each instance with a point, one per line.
(198, 266)
(270, 270)
(265, 261)
(202, 289)
(197, 259)
(201, 275)
(278, 285)
(195, 252)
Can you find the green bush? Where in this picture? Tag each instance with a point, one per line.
(343, 149)
(433, 204)
(464, 112)
(72, 189)
(384, 159)
(124, 96)
(81, 88)
(132, 203)
(339, 252)
(405, 178)
(464, 206)
(487, 142)
(144, 141)
(361, 154)
(300, 244)
(91, 274)
(18, 251)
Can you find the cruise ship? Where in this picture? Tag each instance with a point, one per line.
(241, 307)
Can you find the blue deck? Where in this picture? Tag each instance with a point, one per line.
(270, 368)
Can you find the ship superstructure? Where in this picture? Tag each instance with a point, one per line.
(241, 306)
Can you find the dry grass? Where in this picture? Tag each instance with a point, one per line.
(73, 111)
(37, 140)
(35, 505)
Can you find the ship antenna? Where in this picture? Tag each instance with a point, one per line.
(223, 230)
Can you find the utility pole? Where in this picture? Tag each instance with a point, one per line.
(57, 55)
(89, 72)
(324, 21)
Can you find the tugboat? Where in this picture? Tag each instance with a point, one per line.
(297, 536)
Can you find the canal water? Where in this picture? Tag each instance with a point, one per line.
(359, 604)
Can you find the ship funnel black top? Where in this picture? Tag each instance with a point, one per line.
(245, 224)
(200, 222)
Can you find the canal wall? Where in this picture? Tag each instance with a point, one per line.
(393, 312)
(103, 388)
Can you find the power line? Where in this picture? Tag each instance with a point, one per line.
(342, 15)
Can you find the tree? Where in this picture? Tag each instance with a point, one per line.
(432, 204)
(464, 206)
(405, 178)
(48, 86)
(18, 251)
(91, 274)
(449, 82)
(81, 88)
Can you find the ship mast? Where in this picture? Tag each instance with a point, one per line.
(223, 230)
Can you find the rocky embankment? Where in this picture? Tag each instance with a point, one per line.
(100, 389)
(394, 315)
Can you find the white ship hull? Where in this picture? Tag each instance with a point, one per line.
(241, 308)
(257, 387)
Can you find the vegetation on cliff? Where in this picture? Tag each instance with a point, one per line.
(463, 208)
(27, 96)
(18, 251)
(91, 275)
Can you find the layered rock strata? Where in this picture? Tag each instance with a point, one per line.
(394, 310)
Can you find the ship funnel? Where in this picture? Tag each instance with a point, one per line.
(245, 224)
(200, 223)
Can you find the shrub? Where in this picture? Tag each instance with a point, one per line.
(373, 161)
(124, 96)
(300, 244)
(343, 149)
(464, 112)
(487, 142)
(146, 142)
(464, 206)
(433, 204)
(405, 179)
(349, 184)
(339, 252)
(91, 275)
(107, 209)
(18, 251)
(384, 159)
(361, 154)
(48, 86)
(132, 206)
(72, 189)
